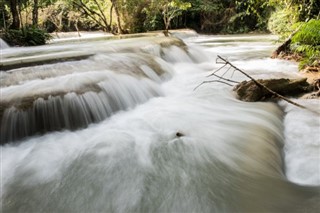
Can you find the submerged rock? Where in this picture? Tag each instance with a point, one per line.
(250, 91)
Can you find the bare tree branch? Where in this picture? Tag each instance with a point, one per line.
(89, 12)
(217, 70)
(225, 79)
(205, 82)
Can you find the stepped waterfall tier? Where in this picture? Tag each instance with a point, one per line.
(116, 126)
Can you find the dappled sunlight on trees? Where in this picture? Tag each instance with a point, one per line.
(131, 16)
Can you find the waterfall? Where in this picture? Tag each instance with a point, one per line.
(125, 131)
(72, 95)
(3, 44)
(72, 106)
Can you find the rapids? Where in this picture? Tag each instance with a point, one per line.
(125, 131)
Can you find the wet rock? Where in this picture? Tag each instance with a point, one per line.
(250, 91)
(179, 134)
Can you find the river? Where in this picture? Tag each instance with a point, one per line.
(126, 130)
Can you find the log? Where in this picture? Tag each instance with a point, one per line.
(250, 91)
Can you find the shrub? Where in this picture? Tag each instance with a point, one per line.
(26, 36)
(281, 21)
(309, 33)
(307, 43)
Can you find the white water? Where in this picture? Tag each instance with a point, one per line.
(3, 44)
(229, 158)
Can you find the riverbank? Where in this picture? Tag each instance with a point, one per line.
(312, 73)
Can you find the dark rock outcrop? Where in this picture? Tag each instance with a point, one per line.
(249, 91)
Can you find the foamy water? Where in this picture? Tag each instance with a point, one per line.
(302, 128)
(183, 151)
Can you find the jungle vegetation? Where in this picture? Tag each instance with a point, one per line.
(28, 22)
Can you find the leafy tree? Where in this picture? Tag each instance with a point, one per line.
(170, 10)
(254, 12)
(209, 15)
(95, 10)
(134, 15)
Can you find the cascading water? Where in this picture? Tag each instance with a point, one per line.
(177, 150)
(3, 44)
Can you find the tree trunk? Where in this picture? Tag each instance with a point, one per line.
(35, 13)
(15, 14)
(166, 19)
(116, 10)
(111, 9)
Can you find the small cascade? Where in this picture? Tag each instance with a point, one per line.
(3, 44)
(69, 102)
(138, 65)
(72, 95)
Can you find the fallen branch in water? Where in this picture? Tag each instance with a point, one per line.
(261, 85)
(230, 66)
(205, 82)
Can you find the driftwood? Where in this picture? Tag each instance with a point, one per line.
(265, 89)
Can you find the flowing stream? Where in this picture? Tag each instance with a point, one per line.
(124, 130)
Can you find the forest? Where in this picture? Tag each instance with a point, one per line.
(28, 22)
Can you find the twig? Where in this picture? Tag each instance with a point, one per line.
(225, 79)
(218, 76)
(217, 70)
(205, 82)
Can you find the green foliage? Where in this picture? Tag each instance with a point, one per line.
(307, 43)
(153, 22)
(26, 36)
(240, 16)
(257, 12)
(169, 9)
(281, 21)
(307, 9)
(210, 16)
(308, 34)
